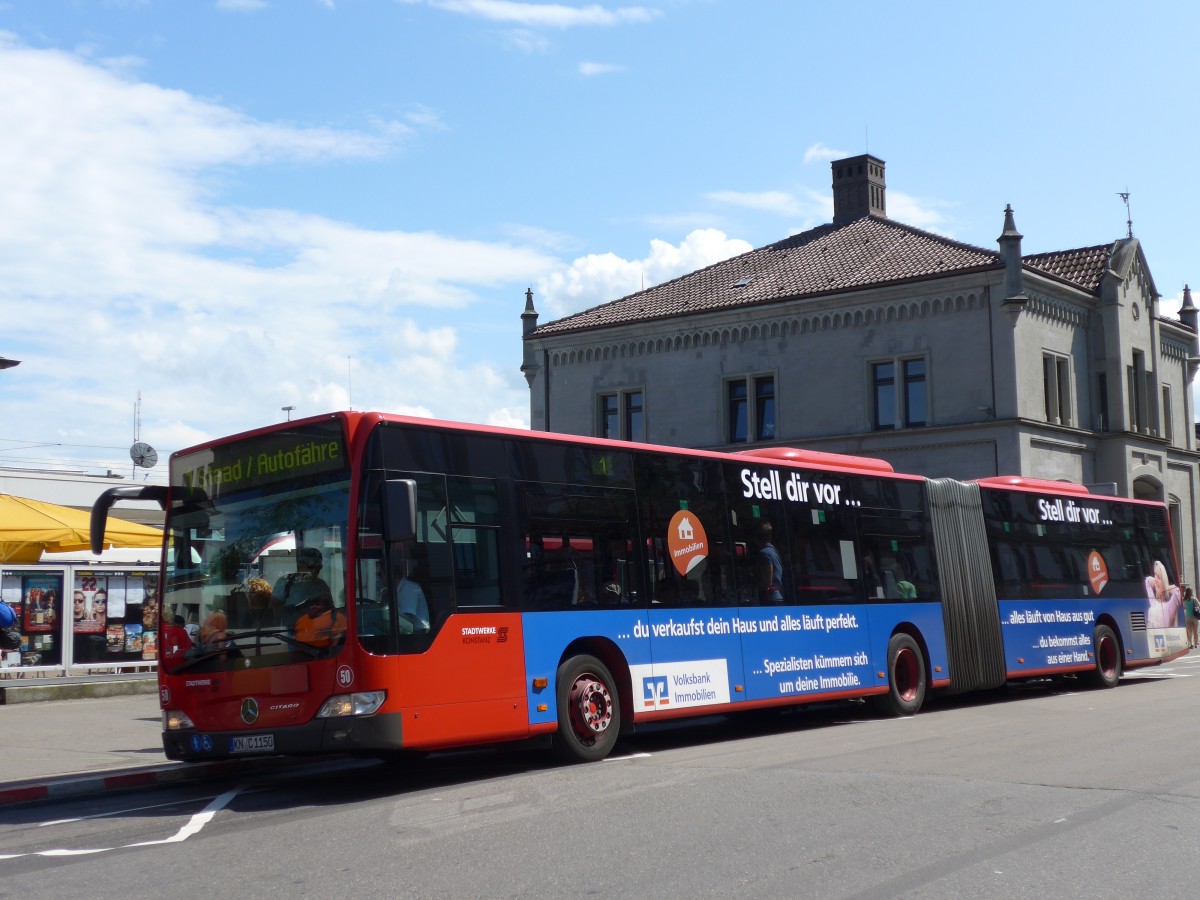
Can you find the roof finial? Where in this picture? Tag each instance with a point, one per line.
(1124, 195)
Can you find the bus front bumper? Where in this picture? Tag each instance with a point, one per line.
(346, 734)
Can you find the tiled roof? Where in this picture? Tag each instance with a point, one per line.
(866, 252)
(1083, 267)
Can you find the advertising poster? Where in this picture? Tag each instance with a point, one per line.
(149, 601)
(42, 603)
(90, 604)
(133, 638)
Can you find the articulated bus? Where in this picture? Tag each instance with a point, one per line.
(371, 584)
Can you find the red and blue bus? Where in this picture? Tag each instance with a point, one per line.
(367, 583)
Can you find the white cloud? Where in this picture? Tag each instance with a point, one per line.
(808, 207)
(600, 277)
(130, 273)
(1170, 306)
(544, 15)
(593, 68)
(920, 212)
(780, 203)
(818, 152)
(241, 5)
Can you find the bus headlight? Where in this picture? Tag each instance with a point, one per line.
(176, 720)
(363, 704)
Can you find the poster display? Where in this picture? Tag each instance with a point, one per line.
(42, 606)
(112, 617)
(36, 597)
(115, 616)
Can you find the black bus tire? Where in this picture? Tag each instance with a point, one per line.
(906, 678)
(1107, 652)
(589, 710)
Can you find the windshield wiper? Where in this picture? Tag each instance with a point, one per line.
(232, 645)
(281, 634)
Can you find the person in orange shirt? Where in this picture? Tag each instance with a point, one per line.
(322, 625)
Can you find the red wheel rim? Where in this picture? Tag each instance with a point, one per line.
(591, 707)
(906, 675)
(1106, 656)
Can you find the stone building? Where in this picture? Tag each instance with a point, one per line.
(870, 337)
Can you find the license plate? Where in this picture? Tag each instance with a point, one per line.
(254, 743)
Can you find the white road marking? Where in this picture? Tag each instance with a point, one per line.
(114, 812)
(193, 826)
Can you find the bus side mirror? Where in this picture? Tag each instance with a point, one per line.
(99, 520)
(399, 510)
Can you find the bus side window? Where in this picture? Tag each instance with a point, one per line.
(577, 548)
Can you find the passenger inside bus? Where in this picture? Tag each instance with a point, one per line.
(321, 625)
(293, 590)
(213, 637)
(262, 609)
(768, 566)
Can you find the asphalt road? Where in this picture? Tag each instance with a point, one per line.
(1036, 792)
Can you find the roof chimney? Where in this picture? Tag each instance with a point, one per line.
(858, 188)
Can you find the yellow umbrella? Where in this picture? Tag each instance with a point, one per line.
(27, 527)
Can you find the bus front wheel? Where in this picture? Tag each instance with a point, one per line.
(1107, 650)
(589, 710)
(906, 678)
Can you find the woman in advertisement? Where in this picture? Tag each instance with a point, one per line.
(1165, 599)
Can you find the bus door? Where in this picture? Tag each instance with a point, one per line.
(800, 614)
(901, 583)
(695, 649)
(434, 618)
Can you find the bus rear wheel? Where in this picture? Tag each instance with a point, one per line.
(1107, 650)
(906, 678)
(589, 710)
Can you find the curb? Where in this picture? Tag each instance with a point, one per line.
(74, 690)
(65, 787)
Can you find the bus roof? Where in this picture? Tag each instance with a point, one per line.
(822, 458)
(1048, 486)
(1043, 485)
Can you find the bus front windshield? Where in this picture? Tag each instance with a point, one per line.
(255, 578)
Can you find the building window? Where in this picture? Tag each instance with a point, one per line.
(908, 405)
(746, 421)
(1056, 388)
(1102, 402)
(764, 408)
(1140, 384)
(914, 393)
(621, 416)
(635, 424)
(610, 416)
(883, 380)
(1168, 429)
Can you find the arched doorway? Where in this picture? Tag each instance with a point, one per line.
(1147, 489)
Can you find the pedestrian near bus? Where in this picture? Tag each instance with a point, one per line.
(1191, 609)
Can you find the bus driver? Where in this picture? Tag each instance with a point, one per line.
(412, 610)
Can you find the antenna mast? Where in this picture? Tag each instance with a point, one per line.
(137, 428)
(1124, 195)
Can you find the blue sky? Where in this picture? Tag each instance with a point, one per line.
(233, 206)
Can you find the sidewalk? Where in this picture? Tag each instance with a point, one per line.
(91, 744)
(54, 687)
